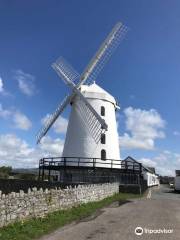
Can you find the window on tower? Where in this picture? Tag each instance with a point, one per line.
(103, 154)
(102, 111)
(103, 138)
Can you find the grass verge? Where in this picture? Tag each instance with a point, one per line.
(35, 228)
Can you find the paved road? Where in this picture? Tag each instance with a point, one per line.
(164, 192)
(159, 211)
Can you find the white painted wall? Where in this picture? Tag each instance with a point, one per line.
(152, 179)
(79, 142)
(177, 183)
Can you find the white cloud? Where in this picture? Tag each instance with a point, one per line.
(176, 133)
(144, 128)
(165, 162)
(1, 85)
(2, 90)
(51, 146)
(166, 152)
(15, 152)
(148, 162)
(21, 121)
(60, 125)
(130, 142)
(25, 82)
(4, 113)
(132, 96)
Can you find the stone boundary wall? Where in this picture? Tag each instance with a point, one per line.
(15, 185)
(38, 203)
(133, 188)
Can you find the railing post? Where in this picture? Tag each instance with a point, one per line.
(140, 168)
(49, 171)
(78, 161)
(93, 162)
(49, 175)
(43, 171)
(126, 166)
(139, 183)
(39, 171)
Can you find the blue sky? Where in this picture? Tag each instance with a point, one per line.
(143, 74)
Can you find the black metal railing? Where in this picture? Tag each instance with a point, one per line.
(85, 170)
(89, 162)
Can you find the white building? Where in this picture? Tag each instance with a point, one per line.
(177, 181)
(79, 143)
(150, 176)
(148, 173)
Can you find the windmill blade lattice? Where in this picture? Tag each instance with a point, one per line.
(104, 53)
(65, 70)
(53, 118)
(95, 123)
(91, 122)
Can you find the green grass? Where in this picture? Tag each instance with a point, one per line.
(35, 228)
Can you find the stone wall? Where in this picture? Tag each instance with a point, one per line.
(19, 206)
(14, 185)
(134, 188)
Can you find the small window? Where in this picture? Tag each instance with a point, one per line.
(103, 138)
(102, 111)
(103, 154)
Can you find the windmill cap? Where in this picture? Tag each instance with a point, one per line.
(94, 91)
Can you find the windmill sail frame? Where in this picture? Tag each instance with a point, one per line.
(69, 75)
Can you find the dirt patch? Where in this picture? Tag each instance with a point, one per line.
(91, 217)
(118, 203)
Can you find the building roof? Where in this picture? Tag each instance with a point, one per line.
(152, 169)
(148, 169)
(95, 91)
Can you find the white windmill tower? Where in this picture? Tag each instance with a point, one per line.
(92, 129)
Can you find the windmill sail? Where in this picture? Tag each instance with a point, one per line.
(69, 75)
(93, 120)
(104, 52)
(65, 70)
(53, 117)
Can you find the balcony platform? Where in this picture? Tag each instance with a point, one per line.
(89, 170)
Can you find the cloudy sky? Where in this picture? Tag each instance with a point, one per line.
(143, 75)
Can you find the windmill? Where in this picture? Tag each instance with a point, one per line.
(92, 130)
